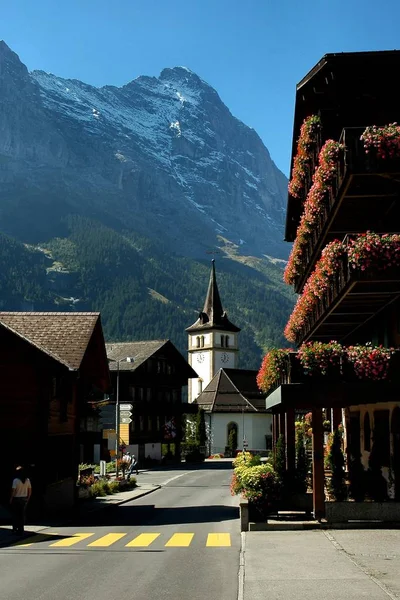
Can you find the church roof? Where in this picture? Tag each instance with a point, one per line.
(213, 315)
(232, 390)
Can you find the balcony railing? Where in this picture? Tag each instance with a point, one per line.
(294, 373)
(353, 162)
(380, 285)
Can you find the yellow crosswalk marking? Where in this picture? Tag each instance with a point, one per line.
(70, 541)
(180, 540)
(107, 540)
(143, 540)
(218, 539)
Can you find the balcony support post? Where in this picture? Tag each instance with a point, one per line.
(275, 432)
(318, 464)
(282, 425)
(290, 441)
(336, 417)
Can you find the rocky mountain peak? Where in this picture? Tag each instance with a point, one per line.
(163, 156)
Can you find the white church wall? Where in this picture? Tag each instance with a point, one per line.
(254, 426)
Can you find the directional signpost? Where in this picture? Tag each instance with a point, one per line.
(125, 413)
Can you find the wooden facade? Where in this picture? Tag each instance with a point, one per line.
(151, 380)
(349, 92)
(41, 401)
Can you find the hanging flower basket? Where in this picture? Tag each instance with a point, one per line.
(384, 142)
(321, 360)
(323, 181)
(306, 145)
(273, 369)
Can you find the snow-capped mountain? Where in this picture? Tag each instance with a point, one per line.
(163, 156)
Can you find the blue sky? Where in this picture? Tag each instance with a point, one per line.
(252, 52)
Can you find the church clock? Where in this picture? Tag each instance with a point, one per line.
(225, 357)
(200, 357)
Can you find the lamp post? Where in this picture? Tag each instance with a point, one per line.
(117, 422)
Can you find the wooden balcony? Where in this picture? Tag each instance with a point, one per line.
(354, 297)
(340, 387)
(365, 196)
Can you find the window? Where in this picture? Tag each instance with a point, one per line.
(149, 394)
(175, 396)
(367, 433)
(141, 423)
(199, 386)
(202, 341)
(227, 341)
(198, 342)
(132, 392)
(141, 394)
(232, 436)
(222, 341)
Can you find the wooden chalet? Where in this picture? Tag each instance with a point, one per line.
(151, 377)
(348, 92)
(51, 364)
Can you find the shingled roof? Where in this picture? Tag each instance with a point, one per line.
(138, 351)
(232, 390)
(62, 335)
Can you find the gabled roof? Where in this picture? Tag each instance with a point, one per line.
(213, 315)
(232, 390)
(139, 352)
(64, 336)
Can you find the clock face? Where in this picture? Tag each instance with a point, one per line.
(225, 357)
(200, 358)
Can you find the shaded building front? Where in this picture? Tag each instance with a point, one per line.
(150, 376)
(51, 364)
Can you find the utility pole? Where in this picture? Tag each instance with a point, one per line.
(117, 422)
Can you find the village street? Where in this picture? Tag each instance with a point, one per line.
(180, 541)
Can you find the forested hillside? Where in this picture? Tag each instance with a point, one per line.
(142, 290)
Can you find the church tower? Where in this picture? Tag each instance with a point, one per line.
(213, 341)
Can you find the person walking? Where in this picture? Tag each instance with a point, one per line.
(133, 466)
(20, 493)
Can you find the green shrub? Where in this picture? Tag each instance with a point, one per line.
(246, 459)
(335, 460)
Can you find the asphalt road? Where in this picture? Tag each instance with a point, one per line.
(180, 542)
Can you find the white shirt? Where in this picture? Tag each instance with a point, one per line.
(21, 489)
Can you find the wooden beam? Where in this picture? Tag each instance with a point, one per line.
(318, 464)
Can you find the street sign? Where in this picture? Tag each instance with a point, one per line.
(125, 413)
(125, 420)
(125, 406)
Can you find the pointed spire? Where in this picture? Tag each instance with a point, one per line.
(213, 305)
(213, 315)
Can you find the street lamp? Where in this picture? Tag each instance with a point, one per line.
(117, 425)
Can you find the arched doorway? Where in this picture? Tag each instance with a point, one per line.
(395, 429)
(232, 437)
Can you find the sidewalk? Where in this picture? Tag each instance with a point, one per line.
(148, 481)
(333, 565)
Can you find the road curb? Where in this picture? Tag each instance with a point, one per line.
(241, 566)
